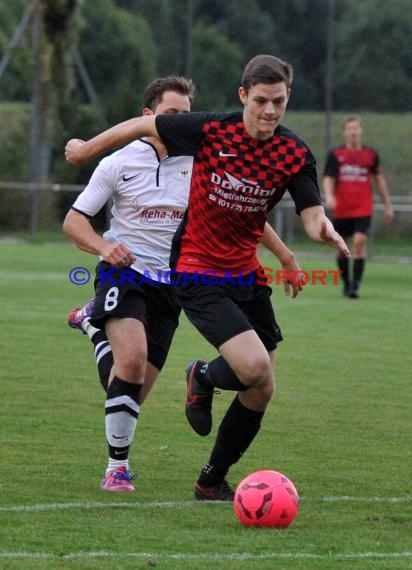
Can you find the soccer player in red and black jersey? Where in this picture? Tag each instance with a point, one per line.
(350, 171)
(243, 164)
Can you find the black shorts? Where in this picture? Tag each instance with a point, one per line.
(126, 293)
(223, 310)
(346, 227)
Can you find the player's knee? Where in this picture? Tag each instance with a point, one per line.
(133, 365)
(359, 252)
(359, 246)
(255, 371)
(258, 397)
(269, 391)
(264, 392)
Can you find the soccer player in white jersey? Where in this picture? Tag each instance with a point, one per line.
(139, 316)
(133, 317)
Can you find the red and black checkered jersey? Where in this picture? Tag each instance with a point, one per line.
(353, 171)
(236, 181)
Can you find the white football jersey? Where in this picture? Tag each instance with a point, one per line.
(149, 200)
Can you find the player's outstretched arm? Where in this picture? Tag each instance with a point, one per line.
(78, 151)
(78, 228)
(286, 257)
(319, 228)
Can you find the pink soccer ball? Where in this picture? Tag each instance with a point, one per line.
(266, 498)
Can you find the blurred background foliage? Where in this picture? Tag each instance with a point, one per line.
(93, 58)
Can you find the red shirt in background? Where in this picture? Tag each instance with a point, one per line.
(353, 171)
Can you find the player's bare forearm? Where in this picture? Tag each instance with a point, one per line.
(78, 228)
(329, 191)
(274, 244)
(78, 151)
(286, 257)
(319, 228)
(384, 194)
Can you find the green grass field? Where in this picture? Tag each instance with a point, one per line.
(339, 427)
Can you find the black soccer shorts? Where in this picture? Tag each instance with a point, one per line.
(223, 310)
(125, 293)
(346, 227)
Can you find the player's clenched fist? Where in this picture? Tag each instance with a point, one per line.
(73, 151)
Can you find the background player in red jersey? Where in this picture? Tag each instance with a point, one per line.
(244, 162)
(350, 171)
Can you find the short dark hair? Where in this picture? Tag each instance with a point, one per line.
(351, 119)
(266, 69)
(153, 93)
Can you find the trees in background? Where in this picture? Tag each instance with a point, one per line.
(125, 43)
(120, 55)
(106, 51)
(373, 62)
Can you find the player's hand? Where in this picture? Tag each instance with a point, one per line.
(295, 283)
(330, 235)
(388, 215)
(73, 151)
(117, 254)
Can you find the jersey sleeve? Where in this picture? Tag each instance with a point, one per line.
(304, 188)
(376, 164)
(331, 166)
(99, 189)
(182, 133)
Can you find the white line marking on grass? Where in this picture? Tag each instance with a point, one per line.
(87, 506)
(17, 276)
(208, 556)
(177, 504)
(332, 499)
